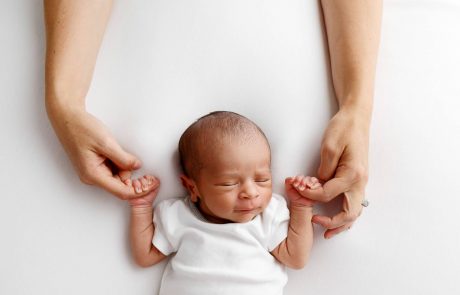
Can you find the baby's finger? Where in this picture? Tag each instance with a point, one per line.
(125, 175)
(289, 180)
(316, 185)
(144, 184)
(137, 186)
(153, 180)
(149, 179)
(297, 180)
(312, 181)
(305, 183)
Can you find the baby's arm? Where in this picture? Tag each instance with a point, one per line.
(294, 251)
(142, 227)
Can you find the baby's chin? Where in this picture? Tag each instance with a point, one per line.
(244, 218)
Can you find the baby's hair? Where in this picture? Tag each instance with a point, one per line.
(211, 130)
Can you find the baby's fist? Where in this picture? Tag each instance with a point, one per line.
(298, 189)
(138, 185)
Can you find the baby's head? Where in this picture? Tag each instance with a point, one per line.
(225, 159)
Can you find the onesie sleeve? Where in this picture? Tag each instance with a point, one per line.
(279, 215)
(163, 219)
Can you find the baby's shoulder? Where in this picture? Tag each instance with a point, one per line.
(170, 204)
(277, 200)
(277, 204)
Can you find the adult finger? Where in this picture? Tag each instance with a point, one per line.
(125, 176)
(116, 187)
(335, 187)
(332, 232)
(351, 210)
(120, 189)
(330, 156)
(330, 223)
(120, 157)
(316, 194)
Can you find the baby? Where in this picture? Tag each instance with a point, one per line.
(231, 234)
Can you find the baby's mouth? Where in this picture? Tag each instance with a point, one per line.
(246, 210)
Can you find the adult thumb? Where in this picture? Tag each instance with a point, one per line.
(121, 158)
(328, 164)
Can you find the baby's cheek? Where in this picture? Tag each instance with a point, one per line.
(267, 199)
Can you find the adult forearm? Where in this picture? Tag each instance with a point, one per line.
(74, 32)
(353, 34)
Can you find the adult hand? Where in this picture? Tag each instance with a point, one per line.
(343, 169)
(95, 154)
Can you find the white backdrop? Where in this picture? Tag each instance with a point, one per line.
(163, 63)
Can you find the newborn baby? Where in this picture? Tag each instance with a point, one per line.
(231, 234)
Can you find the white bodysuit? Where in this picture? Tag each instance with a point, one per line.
(209, 258)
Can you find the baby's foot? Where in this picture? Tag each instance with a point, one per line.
(304, 184)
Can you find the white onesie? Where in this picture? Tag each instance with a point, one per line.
(232, 258)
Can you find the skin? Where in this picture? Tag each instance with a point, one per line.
(353, 34)
(74, 31)
(234, 185)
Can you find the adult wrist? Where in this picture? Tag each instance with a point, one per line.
(357, 107)
(58, 109)
(56, 103)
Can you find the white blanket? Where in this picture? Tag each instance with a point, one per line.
(163, 64)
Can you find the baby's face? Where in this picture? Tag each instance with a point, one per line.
(235, 184)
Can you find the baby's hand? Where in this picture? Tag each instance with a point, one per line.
(298, 189)
(138, 185)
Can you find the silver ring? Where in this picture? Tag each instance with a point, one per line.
(365, 203)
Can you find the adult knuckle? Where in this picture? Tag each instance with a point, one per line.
(123, 196)
(328, 196)
(104, 142)
(358, 173)
(351, 216)
(328, 148)
(85, 176)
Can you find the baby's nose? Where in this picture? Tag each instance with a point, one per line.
(250, 190)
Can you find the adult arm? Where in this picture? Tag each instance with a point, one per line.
(74, 32)
(353, 34)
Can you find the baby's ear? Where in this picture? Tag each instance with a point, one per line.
(190, 186)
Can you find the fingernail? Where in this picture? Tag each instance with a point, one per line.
(138, 189)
